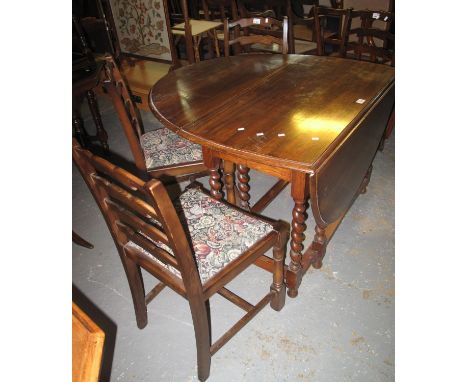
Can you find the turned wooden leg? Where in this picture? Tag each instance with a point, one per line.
(244, 188)
(229, 181)
(320, 246)
(101, 133)
(135, 281)
(278, 286)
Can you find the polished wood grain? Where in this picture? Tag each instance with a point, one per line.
(311, 100)
(87, 345)
(315, 122)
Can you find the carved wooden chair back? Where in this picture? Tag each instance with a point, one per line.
(323, 36)
(256, 30)
(148, 148)
(369, 42)
(149, 234)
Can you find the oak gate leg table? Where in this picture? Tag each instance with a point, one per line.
(315, 122)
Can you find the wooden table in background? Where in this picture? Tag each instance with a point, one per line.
(315, 122)
(87, 345)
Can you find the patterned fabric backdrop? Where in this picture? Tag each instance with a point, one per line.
(141, 27)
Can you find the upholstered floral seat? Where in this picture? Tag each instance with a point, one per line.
(162, 147)
(218, 233)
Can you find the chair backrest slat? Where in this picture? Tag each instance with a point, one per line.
(256, 30)
(158, 252)
(124, 177)
(126, 198)
(137, 224)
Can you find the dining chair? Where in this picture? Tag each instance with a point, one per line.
(374, 43)
(329, 36)
(371, 42)
(85, 76)
(193, 30)
(194, 246)
(258, 34)
(159, 153)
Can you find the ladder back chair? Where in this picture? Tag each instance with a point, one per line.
(169, 241)
(374, 43)
(256, 33)
(159, 153)
(370, 42)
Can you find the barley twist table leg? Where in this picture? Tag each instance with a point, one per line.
(215, 184)
(243, 178)
(298, 227)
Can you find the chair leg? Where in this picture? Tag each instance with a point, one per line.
(135, 281)
(278, 286)
(201, 324)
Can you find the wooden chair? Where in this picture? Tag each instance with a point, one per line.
(257, 32)
(167, 240)
(159, 153)
(193, 31)
(375, 44)
(85, 75)
(269, 8)
(325, 36)
(369, 42)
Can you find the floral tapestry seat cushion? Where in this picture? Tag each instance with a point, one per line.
(218, 233)
(162, 147)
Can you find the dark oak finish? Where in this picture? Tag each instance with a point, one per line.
(129, 117)
(77, 239)
(322, 112)
(256, 30)
(337, 40)
(368, 42)
(142, 212)
(85, 77)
